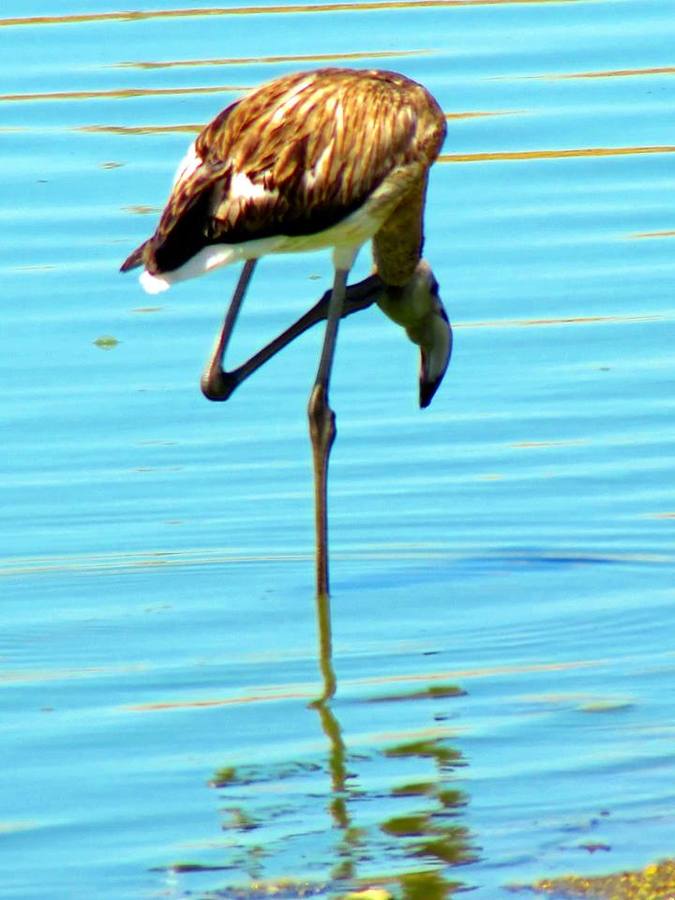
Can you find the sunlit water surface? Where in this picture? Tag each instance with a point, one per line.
(503, 563)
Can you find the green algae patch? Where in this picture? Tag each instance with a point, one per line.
(106, 342)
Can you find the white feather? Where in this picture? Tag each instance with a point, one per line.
(242, 188)
(189, 164)
(208, 258)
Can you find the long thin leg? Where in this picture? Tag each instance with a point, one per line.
(213, 386)
(322, 431)
(359, 296)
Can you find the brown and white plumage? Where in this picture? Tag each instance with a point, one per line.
(310, 160)
(329, 158)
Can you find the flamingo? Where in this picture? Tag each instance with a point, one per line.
(328, 158)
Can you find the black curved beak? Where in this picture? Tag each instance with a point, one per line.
(434, 358)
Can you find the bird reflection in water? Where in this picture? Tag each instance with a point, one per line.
(402, 838)
(327, 159)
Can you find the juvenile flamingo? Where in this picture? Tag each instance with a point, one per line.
(328, 158)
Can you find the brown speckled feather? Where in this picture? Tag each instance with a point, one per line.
(295, 157)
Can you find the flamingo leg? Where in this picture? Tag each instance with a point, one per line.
(213, 384)
(358, 296)
(322, 432)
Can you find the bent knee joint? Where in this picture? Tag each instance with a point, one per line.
(321, 417)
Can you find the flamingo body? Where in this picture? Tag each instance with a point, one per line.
(329, 158)
(311, 160)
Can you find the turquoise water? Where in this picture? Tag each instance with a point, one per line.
(502, 563)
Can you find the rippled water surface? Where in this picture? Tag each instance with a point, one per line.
(503, 563)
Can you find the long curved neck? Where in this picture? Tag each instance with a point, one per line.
(397, 246)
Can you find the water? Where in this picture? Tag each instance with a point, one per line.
(502, 563)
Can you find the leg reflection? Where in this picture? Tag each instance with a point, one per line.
(390, 818)
(325, 649)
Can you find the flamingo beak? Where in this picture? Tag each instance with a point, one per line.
(435, 354)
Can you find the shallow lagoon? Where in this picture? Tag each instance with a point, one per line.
(502, 563)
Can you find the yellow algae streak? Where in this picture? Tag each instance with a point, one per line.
(120, 94)
(135, 15)
(258, 60)
(613, 73)
(139, 129)
(572, 320)
(484, 114)
(652, 234)
(518, 155)
(654, 882)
